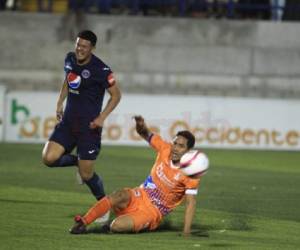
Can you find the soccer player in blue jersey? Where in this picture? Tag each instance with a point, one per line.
(87, 79)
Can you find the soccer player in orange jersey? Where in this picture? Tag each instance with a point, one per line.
(143, 207)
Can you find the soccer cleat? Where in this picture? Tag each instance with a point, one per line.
(104, 219)
(79, 227)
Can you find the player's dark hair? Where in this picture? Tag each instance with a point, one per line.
(189, 136)
(88, 35)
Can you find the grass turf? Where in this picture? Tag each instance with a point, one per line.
(248, 200)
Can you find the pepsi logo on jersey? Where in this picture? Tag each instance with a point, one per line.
(73, 80)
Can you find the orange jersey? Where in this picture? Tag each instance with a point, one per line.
(166, 185)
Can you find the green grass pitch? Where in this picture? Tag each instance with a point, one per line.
(247, 200)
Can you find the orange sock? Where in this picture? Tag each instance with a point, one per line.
(98, 210)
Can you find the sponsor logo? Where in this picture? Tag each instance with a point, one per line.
(73, 80)
(91, 151)
(29, 126)
(85, 73)
(177, 176)
(74, 91)
(161, 175)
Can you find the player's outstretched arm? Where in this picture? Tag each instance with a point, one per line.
(190, 209)
(141, 127)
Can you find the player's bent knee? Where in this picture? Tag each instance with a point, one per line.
(47, 162)
(121, 194)
(122, 225)
(48, 159)
(52, 151)
(120, 198)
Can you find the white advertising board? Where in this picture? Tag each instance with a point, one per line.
(2, 108)
(216, 122)
(30, 116)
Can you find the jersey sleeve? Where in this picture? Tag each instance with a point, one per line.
(69, 62)
(109, 79)
(191, 186)
(157, 142)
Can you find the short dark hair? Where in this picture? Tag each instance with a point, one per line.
(88, 35)
(189, 136)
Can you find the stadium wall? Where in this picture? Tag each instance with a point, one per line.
(158, 55)
(217, 122)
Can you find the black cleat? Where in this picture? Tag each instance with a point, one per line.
(79, 227)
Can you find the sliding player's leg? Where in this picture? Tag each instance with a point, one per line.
(118, 200)
(139, 215)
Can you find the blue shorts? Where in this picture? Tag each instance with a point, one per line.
(88, 141)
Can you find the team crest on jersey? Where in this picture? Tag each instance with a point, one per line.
(73, 80)
(85, 73)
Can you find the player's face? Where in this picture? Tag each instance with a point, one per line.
(83, 50)
(179, 148)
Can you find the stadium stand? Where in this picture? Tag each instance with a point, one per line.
(157, 54)
(233, 9)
